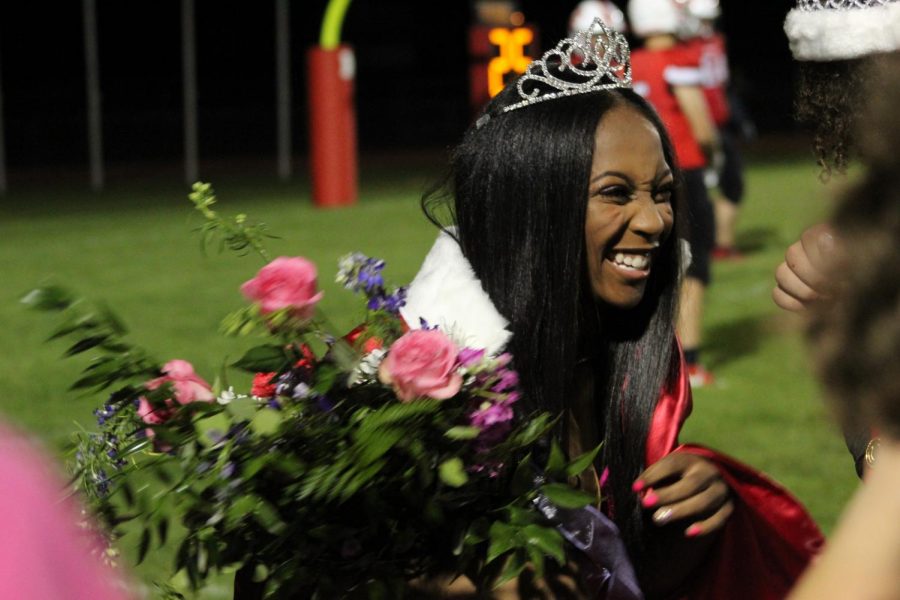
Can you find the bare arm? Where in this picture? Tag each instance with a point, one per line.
(692, 102)
(861, 559)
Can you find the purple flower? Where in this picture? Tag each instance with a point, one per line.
(374, 302)
(394, 302)
(508, 380)
(494, 419)
(470, 356)
(228, 470)
(504, 359)
(494, 414)
(323, 403)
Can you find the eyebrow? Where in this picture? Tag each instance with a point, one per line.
(615, 173)
(660, 176)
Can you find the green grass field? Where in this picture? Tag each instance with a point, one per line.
(133, 247)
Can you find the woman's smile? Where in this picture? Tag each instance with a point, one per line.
(629, 210)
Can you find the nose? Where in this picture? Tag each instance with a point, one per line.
(647, 220)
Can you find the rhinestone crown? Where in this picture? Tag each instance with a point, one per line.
(839, 4)
(594, 59)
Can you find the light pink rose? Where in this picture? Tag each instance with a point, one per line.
(286, 282)
(422, 363)
(187, 387)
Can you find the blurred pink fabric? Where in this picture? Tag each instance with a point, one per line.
(44, 553)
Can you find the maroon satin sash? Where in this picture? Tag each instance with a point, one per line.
(768, 540)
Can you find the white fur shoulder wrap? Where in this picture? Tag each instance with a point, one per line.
(447, 293)
(840, 34)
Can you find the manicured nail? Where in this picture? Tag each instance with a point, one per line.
(693, 531)
(638, 486)
(650, 499)
(662, 515)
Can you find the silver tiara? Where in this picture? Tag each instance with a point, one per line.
(808, 5)
(594, 59)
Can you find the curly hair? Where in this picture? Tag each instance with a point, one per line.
(827, 99)
(857, 334)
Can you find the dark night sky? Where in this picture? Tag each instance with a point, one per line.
(411, 78)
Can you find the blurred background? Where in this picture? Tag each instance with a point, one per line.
(131, 242)
(412, 77)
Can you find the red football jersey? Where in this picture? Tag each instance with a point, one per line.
(654, 74)
(714, 75)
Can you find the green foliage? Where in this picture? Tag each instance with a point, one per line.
(396, 489)
(236, 234)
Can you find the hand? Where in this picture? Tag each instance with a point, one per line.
(688, 488)
(807, 273)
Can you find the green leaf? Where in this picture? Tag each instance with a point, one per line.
(86, 344)
(503, 539)
(344, 356)
(266, 421)
(162, 530)
(564, 496)
(112, 320)
(72, 325)
(50, 297)
(547, 539)
(242, 408)
(462, 433)
(263, 359)
(536, 557)
(520, 516)
(268, 517)
(397, 413)
(136, 446)
(326, 375)
(523, 477)
(372, 444)
(143, 546)
(577, 466)
(556, 464)
(452, 473)
(212, 428)
(514, 567)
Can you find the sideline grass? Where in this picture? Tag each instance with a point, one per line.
(133, 248)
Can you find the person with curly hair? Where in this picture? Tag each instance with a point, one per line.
(855, 335)
(837, 44)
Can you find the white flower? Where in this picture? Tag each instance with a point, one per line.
(226, 396)
(368, 366)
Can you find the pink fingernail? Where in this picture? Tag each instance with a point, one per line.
(693, 531)
(649, 500)
(638, 485)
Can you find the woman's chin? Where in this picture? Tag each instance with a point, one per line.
(621, 297)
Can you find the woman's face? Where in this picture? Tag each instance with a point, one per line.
(629, 211)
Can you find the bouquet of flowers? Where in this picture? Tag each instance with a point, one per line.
(354, 463)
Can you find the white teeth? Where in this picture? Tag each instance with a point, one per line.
(631, 261)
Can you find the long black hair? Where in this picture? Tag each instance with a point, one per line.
(518, 192)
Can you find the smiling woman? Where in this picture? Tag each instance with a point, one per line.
(566, 213)
(629, 210)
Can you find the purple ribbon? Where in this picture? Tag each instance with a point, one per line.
(609, 574)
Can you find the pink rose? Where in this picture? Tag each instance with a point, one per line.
(422, 363)
(286, 282)
(187, 387)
